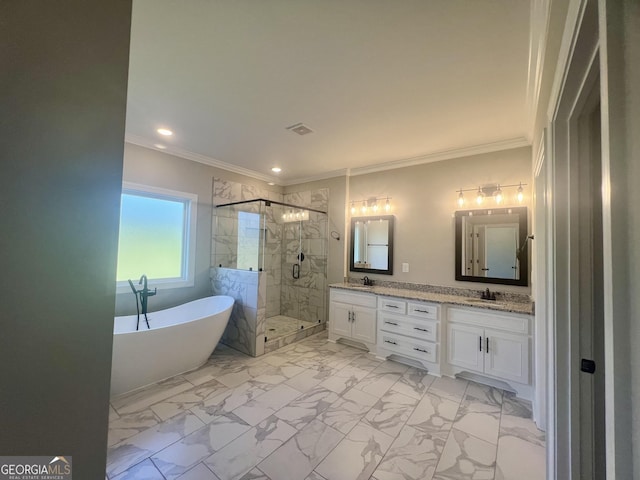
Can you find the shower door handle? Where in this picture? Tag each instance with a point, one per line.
(295, 272)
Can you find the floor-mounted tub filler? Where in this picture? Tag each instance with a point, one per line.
(180, 339)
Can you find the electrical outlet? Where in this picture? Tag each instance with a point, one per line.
(405, 268)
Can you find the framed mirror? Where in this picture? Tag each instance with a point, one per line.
(372, 244)
(491, 246)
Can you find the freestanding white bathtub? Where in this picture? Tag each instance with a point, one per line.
(180, 339)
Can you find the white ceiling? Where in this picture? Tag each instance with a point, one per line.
(377, 81)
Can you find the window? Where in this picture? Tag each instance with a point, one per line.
(157, 236)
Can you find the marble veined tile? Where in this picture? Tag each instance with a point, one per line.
(466, 457)
(204, 374)
(377, 383)
(414, 382)
(365, 362)
(483, 393)
(246, 451)
(413, 455)
(434, 415)
(302, 453)
(391, 367)
(129, 425)
(130, 452)
(344, 379)
(183, 455)
(145, 470)
(188, 399)
(307, 407)
(516, 421)
(229, 400)
(449, 388)
(255, 474)
(142, 399)
(113, 415)
(315, 476)
(199, 472)
(357, 455)
(520, 459)
(309, 378)
(280, 374)
(479, 419)
(390, 413)
(348, 410)
(265, 405)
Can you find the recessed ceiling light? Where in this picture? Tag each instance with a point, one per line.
(165, 131)
(276, 169)
(159, 146)
(271, 184)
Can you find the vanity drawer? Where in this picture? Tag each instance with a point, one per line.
(508, 322)
(412, 327)
(392, 305)
(361, 299)
(410, 347)
(422, 310)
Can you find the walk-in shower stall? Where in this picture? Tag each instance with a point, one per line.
(283, 248)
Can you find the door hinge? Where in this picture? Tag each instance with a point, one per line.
(587, 366)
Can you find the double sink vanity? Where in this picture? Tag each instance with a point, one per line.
(444, 330)
(449, 331)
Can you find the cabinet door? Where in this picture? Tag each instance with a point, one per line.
(464, 345)
(508, 356)
(364, 325)
(339, 319)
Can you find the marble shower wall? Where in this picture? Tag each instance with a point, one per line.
(246, 327)
(305, 298)
(260, 295)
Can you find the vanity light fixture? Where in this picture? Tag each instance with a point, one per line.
(495, 191)
(371, 205)
(520, 193)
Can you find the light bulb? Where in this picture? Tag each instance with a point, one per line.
(387, 206)
(353, 208)
(375, 207)
(480, 197)
(364, 207)
(520, 194)
(460, 199)
(498, 195)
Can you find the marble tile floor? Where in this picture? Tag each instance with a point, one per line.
(315, 410)
(281, 325)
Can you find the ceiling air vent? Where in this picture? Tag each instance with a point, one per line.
(300, 129)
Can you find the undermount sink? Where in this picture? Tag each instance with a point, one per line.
(359, 287)
(481, 300)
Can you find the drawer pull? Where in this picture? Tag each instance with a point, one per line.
(391, 323)
(392, 306)
(422, 329)
(421, 311)
(420, 350)
(389, 341)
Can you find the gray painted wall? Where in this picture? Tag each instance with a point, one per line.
(63, 89)
(151, 167)
(423, 202)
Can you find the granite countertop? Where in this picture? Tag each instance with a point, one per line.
(449, 299)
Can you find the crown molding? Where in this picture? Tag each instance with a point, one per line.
(196, 157)
(344, 172)
(538, 32)
(444, 155)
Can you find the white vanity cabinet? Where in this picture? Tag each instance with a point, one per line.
(490, 343)
(409, 329)
(352, 315)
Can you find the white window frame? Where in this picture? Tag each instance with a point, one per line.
(189, 243)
